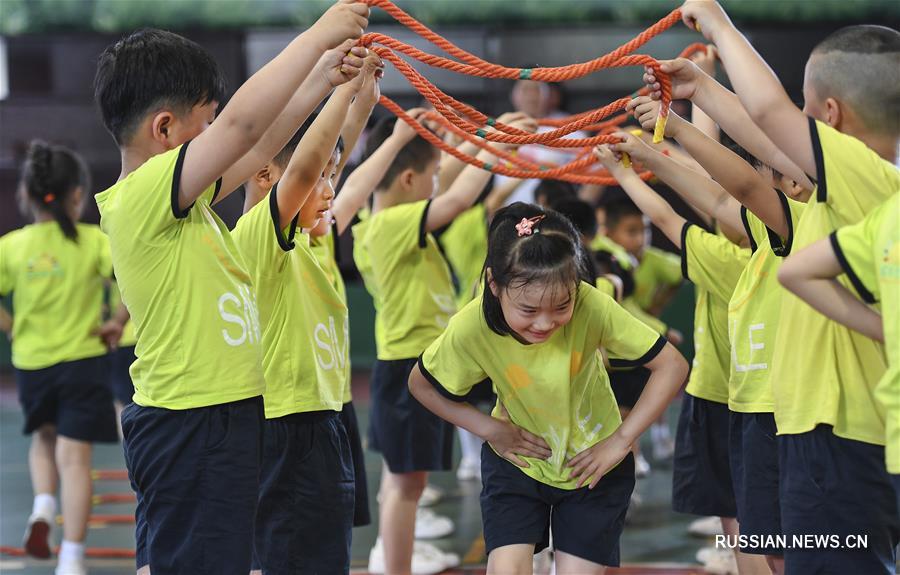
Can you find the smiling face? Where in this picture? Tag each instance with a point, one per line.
(319, 201)
(536, 310)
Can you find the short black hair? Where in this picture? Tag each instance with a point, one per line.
(580, 214)
(49, 175)
(150, 69)
(743, 154)
(860, 66)
(617, 205)
(551, 254)
(554, 191)
(416, 154)
(283, 158)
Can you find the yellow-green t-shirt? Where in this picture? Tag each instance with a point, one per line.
(129, 337)
(408, 278)
(305, 334)
(57, 288)
(658, 270)
(825, 373)
(753, 312)
(557, 389)
(601, 243)
(465, 245)
(186, 287)
(869, 252)
(714, 264)
(324, 249)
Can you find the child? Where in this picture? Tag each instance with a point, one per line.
(869, 253)
(413, 294)
(753, 309)
(192, 436)
(56, 269)
(846, 138)
(702, 480)
(553, 436)
(306, 500)
(323, 239)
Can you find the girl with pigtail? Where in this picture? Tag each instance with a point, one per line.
(56, 269)
(555, 442)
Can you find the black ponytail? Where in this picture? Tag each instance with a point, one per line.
(50, 176)
(551, 254)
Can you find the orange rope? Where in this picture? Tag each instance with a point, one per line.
(470, 124)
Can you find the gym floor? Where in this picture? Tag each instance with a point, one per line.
(655, 541)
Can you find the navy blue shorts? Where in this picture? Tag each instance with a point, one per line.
(701, 474)
(408, 436)
(306, 501)
(196, 476)
(73, 396)
(896, 481)
(628, 385)
(754, 471)
(119, 377)
(836, 486)
(586, 523)
(361, 513)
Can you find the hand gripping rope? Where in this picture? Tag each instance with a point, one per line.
(473, 126)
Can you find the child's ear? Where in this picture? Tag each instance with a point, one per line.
(833, 113)
(490, 282)
(264, 178)
(161, 127)
(406, 178)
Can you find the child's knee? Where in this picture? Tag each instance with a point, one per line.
(71, 453)
(410, 485)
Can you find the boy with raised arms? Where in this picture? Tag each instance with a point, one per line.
(306, 499)
(192, 436)
(846, 139)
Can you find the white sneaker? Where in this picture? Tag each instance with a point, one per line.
(706, 527)
(704, 553)
(430, 525)
(71, 567)
(426, 560)
(720, 562)
(469, 470)
(641, 466)
(37, 537)
(663, 445)
(430, 496)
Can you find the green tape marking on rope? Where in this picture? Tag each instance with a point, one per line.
(488, 167)
(480, 133)
(491, 121)
(525, 74)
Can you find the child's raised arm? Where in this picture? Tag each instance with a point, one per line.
(329, 72)
(739, 178)
(657, 209)
(361, 108)
(313, 152)
(698, 190)
(810, 274)
(755, 83)
(471, 181)
(725, 108)
(256, 105)
(362, 182)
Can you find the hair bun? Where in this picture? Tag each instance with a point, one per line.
(39, 162)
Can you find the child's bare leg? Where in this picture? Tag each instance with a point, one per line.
(776, 564)
(567, 564)
(400, 494)
(748, 564)
(73, 458)
(511, 560)
(42, 460)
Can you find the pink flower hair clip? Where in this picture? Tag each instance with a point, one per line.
(526, 226)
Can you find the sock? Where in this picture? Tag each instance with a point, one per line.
(71, 551)
(44, 506)
(470, 445)
(659, 432)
